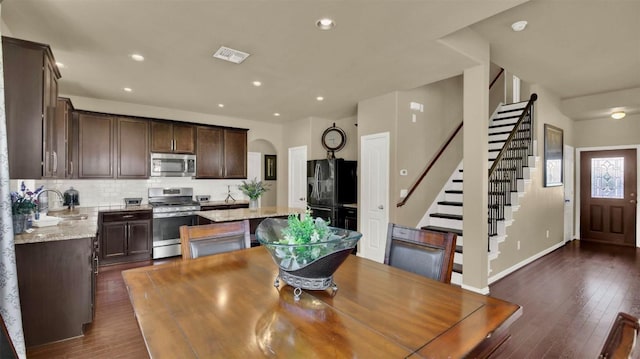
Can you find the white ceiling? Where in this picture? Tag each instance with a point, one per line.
(377, 47)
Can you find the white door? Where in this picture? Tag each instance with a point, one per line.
(374, 195)
(298, 177)
(568, 192)
(254, 168)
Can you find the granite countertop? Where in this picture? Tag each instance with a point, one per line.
(82, 222)
(350, 205)
(226, 215)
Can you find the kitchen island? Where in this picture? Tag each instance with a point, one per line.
(254, 215)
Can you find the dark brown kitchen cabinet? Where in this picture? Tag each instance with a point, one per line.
(209, 152)
(31, 91)
(125, 236)
(235, 153)
(56, 281)
(172, 137)
(95, 145)
(64, 138)
(221, 152)
(133, 148)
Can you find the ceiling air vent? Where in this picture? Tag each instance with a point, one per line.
(230, 55)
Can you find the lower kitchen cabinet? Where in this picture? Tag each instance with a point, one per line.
(56, 281)
(125, 236)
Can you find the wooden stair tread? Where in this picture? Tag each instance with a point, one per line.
(446, 216)
(443, 229)
(450, 203)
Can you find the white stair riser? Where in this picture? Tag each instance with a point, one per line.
(453, 197)
(456, 278)
(496, 146)
(445, 222)
(500, 129)
(449, 209)
(459, 241)
(513, 106)
(502, 137)
(456, 186)
(457, 258)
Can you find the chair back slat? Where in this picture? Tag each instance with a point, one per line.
(622, 337)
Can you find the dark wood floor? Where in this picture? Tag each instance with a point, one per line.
(569, 297)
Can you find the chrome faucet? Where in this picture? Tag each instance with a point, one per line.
(48, 190)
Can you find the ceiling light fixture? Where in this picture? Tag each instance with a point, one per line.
(277, 114)
(320, 98)
(221, 105)
(137, 57)
(618, 115)
(60, 65)
(257, 83)
(128, 89)
(519, 25)
(325, 24)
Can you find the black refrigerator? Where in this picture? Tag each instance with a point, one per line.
(330, 184)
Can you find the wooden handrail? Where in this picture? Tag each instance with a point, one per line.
(439, 153)
(496, 78)
(532, 99)
(431, 163)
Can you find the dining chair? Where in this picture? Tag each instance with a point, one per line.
(622, 337)
(421, 251)
(208, 239)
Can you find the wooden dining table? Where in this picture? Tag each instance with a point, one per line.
(226, 306)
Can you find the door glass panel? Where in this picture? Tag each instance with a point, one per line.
(607, 177)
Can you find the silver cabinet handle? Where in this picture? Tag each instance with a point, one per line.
(302, 198)
(380, 207)
(55, 161)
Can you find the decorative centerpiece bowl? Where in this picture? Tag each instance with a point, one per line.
(306, 251)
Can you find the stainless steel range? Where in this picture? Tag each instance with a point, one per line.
(172, 208)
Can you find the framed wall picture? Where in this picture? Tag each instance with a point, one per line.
(553, 146)
(270, 163)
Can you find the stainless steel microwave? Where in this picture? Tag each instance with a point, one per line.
(172, 165)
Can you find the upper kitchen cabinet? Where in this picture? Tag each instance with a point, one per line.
(172, 137)
(31, 91)
(221, 152)
(95, 145)
(133, 148)
(64, 136)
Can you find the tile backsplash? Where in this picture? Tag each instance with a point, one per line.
(102, 193)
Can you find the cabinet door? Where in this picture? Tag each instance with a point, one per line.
(113, 240)
(133, 148)
(209, 154)
(62, 123)
(49, 130)
(139, 237)
(184, 138)
(23, 107)
(161, 136)
(96, 142)
(235, 153)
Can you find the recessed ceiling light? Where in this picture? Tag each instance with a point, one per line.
(277, 114)
(60, 65)
(325, 24)
(320, 98)
(137, 57)
(128, 89)
(257, 83)
(221, 105)
(519, 25)
(618, 115)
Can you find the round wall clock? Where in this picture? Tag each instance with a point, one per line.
(334, 139)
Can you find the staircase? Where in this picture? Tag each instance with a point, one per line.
(506, 183)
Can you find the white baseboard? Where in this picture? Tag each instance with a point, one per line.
(517, 266)
(483, 291)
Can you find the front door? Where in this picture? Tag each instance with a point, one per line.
(608, 196)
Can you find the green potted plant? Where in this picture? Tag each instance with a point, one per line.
(23, 203)
(253, 189)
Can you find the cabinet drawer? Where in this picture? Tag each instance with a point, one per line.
(126, 216)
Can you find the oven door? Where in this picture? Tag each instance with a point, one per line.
(166, 232)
